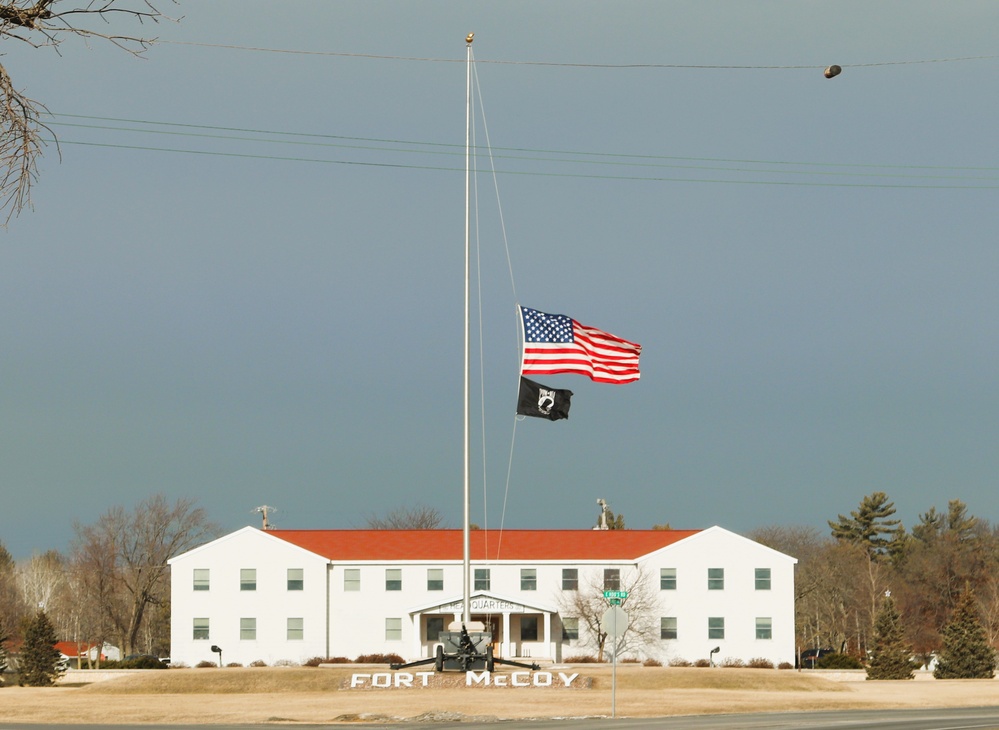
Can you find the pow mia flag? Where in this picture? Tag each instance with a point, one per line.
(541, 401)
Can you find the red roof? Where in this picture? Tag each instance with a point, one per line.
(70, 648)
(516, 545)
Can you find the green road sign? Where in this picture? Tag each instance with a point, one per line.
(616, 594)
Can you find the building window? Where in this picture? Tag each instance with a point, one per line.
(393, 579)
(248, 579)
(716, 627)
(716, 579)
(482, 579)
(763, 579)
(352, 579)
(528, 628)
(201, 629)
(528, 579)
(296, 629)
(393, 629)
(667, 579)
(201, 581)
(435, 579)
(435, 625)
(570, 579)
(612, 579)
(296, 579)
(248, 629)
(764, 628)
(667, 627)
(570, 628)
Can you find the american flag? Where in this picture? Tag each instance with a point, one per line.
(555, 343)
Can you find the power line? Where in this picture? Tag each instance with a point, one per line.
(460, 148)
(591, 176)
(528, 156)
(689, 66)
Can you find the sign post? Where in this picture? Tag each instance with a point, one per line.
(615, 620)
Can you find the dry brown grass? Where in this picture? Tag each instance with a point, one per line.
(759, 680)
(231, 680)
(235, 680)
(305, 695)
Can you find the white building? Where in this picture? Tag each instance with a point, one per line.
(294, 594)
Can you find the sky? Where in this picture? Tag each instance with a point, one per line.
(241, 281)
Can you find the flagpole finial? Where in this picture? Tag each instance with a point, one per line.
(469, 37)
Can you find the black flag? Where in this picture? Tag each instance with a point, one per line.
(541, 401)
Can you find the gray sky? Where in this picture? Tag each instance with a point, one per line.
(274, 317)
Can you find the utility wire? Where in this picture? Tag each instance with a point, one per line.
(425, 59)
(529, 173)
(459, 149)
(526, 156)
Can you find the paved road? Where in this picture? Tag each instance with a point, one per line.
(978, 718)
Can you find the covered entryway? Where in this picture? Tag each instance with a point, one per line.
(518, 629)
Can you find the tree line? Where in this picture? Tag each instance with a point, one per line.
(843, 577)
(112, 586)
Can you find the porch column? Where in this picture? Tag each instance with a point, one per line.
(417, 636)
(548, 634)
(507, 645)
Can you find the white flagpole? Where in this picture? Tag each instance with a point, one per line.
(466, 536)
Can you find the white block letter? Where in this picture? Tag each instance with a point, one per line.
(567, 678)
(476, 678)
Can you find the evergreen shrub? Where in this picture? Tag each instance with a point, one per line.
(838, 661)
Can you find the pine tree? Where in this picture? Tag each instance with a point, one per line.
(39, 665)
(870, 525)
(890, 656)
(966, 652)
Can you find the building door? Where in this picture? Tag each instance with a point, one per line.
(492, 624)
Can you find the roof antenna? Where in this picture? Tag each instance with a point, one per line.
(263, 510)
(602, 520)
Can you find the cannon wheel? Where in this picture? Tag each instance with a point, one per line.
(439, 659)
(490, 663)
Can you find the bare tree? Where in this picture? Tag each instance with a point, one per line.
(642, 605)
(94, 581)
(42, 580)
(420, 517)
(128, 553)
(11, 602)
(48, 23)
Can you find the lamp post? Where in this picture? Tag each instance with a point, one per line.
(218, 651)
(711, 655)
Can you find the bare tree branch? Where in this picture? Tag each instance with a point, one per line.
(48, 23)
(20, 145)
(420, 517)
(642, 605)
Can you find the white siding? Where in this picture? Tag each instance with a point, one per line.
(356, 619)
(271, 604)
(739, 603)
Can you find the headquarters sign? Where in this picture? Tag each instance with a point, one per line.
(480, 604)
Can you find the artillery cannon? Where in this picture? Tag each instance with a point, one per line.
(464, 651)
